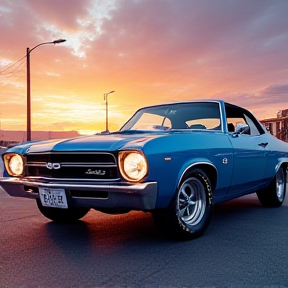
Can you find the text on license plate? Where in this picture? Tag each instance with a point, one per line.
(53, 197)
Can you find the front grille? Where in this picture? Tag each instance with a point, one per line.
(76, 165)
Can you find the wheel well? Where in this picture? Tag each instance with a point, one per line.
(209, 170)
(285, 167)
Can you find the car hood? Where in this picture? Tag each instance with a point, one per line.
(99, 142)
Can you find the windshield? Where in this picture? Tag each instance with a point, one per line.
(193, 115)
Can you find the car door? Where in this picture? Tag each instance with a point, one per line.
(248, 143)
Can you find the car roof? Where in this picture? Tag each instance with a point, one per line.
(187, 102)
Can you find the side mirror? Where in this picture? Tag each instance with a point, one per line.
(243, 129)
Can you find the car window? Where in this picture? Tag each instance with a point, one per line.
(190, 115)
(235, 124)
(212, 124)
(149, 121)
(253, 128)
(240, 120)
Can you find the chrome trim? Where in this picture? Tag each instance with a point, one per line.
(194, 164)
(104, 165)
(221, 117)
(70, 164)
(280, 184)
(71, 179)
(190, 208)
(74, 153)
(219, 102)
(138, 196)
(70, 152)
(36, 164)
(87, 165)
(120, 186)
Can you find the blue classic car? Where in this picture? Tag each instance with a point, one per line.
(174, 160)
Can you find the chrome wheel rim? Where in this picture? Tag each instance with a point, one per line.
(191, 202)
(280, 185)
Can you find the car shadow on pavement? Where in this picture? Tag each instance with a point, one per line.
(101, 229)
(98, 240)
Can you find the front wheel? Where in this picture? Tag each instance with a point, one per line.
(190, 211)
(62, 215)
(274, 194)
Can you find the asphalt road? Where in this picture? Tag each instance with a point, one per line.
(245, 246)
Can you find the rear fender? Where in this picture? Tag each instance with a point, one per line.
(283, 162)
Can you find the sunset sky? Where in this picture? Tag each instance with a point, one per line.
(148, 51)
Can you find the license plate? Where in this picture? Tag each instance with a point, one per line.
(53, 197)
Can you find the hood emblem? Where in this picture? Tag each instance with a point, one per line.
(51, 166)
(95, 172)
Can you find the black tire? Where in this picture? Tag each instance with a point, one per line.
(274, 194)
(189, 213)
(62, 215)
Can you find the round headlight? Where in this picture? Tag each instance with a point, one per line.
(16, 165)
(133, 166)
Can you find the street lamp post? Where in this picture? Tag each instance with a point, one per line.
(28, 83)
(106, 99)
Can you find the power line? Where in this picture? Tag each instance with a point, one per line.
(10, 65)
(10, 72)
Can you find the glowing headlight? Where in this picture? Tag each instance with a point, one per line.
(14, 164)
(133, 165)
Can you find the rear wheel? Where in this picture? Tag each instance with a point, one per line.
(274, 194)
(190, 211)
(62, 215)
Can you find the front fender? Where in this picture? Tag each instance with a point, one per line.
(190, 164)
(168, 173)
(204, 164)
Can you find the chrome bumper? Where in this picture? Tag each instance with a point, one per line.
(139, 196)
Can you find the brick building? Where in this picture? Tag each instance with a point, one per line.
(278, 126)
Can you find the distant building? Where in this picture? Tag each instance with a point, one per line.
(282, 113)
(10, 137)
(278, 126)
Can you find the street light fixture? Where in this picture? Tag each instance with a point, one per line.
(28, 83)
(106, 99)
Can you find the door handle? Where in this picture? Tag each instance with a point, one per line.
(263, 144)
